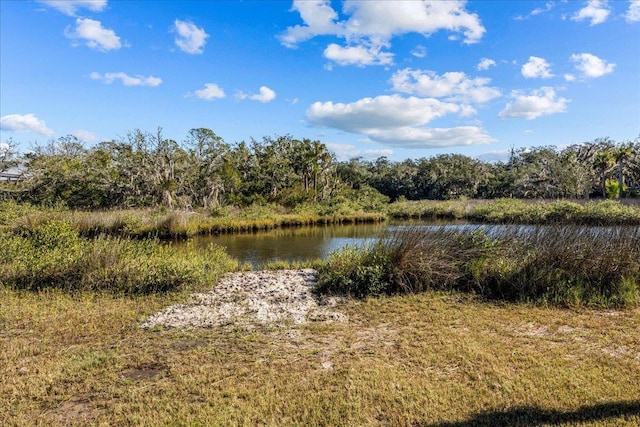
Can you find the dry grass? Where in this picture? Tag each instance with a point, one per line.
(419, 360)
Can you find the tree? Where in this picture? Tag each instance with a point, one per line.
(603, 161)
(622, 155)
(206, 162)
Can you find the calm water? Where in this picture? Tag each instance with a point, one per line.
(309, 243)
(299, 244)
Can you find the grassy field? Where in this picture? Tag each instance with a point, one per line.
(72, 351)
(434, 359)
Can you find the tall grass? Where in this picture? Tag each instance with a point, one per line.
(561, 265)
(514, 211)
(166, 224)
(53, 255)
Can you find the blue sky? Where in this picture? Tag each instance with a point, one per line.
(403, 79)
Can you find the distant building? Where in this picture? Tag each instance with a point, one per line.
(14, 174)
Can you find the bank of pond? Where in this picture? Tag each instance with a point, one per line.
(558, 263)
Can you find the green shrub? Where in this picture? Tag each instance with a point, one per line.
(356, 271)
(54, 256)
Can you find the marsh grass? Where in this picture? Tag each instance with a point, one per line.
(514, 211)
(415, 360)
(563, 265)
(53, 255)
(175, 224)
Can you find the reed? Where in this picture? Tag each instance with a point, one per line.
(562, 265)
(515, 211)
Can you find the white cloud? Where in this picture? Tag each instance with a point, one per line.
(382, 112)
(595, 10)
(633, 13)
(454, 86)
(540, 10)
(420, 137)
(357, 55)
(94, 35)
(540, 102)
(70, 7)
(190, 39)
(569, 77)
(386, 19)
(210, 91)
(318, 16)
(537, 68)
(537, 11)
(485, 64)
(25, 123)
(84, 135)
(127, 80)
(397, 121)
(350, 151)
(590, 66)
(266, 95)
(419, 51)
(370, 26)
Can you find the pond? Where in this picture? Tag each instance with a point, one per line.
(301, 243)
(310, 243)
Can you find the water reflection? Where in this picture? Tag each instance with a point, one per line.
(309, 243)
(293, 244)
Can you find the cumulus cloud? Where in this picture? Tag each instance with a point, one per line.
(420, 137)
(397, 121)
(370, 26)
(25, 123)
(127, 80)
(633, 13)
(590, 66)
(84, 135)
(190, 39)
(94, 35)
(209, 92)
(381, 112)
(485, 64)
(266, 95)
(70, 7)
(540, 102)
(454, 86)
(536, 68)
(596, 10)
(357, 55)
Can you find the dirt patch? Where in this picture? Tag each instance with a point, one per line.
(252, 298)
(74, 411)
(143, 372)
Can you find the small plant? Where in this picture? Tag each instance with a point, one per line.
(613, 189)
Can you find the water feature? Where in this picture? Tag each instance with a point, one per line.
(293, 244)
(310, 243)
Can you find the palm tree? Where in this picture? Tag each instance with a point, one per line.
(603, 161)
(621, 155)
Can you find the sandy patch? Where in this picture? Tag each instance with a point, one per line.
(252, 298)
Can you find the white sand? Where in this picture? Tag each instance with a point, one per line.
(276, 298)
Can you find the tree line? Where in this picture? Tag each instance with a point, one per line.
(203, 171)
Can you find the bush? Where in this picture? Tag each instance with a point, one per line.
(356, 271)
(54, 256)
(561, 265)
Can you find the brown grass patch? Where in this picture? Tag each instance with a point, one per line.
(418, 360)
